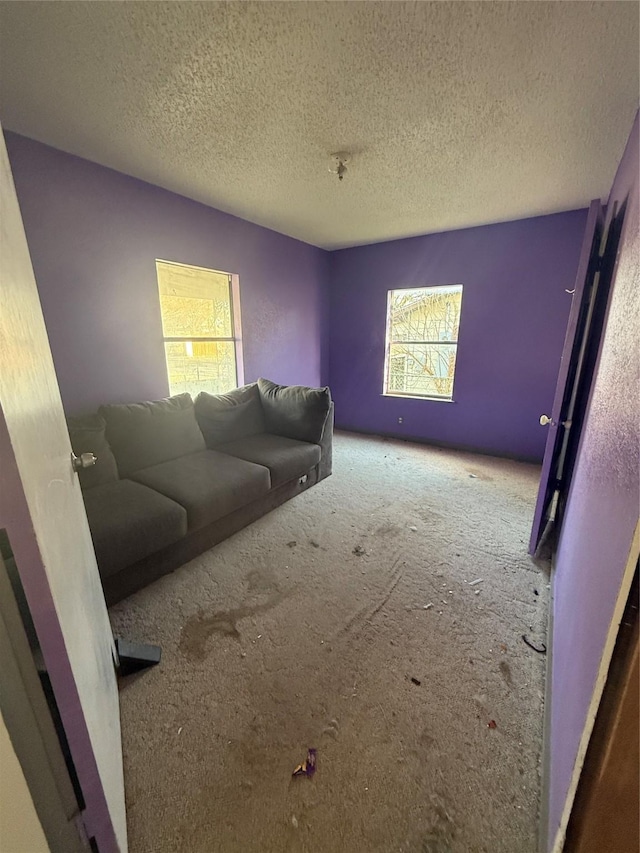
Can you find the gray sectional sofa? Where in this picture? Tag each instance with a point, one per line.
(174, 478)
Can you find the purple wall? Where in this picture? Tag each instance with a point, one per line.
(514, 316)
(602, 507)
(94, 235)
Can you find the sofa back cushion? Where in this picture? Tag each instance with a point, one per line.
(87, 435)
(294, 411)
(226, 417)
(145, 434)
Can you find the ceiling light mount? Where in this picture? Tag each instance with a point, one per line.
(338, 163)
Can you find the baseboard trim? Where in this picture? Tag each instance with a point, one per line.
(446, 445)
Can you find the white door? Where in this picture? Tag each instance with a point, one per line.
(42, 510)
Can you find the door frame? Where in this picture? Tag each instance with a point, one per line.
(31, 728)
(598, 690)
(609, 778)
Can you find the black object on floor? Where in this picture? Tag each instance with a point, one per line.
(541, 649)
(132, 657)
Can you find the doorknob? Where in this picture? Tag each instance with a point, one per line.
(545, 419)
(85, 460)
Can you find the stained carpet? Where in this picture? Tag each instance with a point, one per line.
(348, 620)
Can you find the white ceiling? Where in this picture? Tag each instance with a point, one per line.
(456, 113)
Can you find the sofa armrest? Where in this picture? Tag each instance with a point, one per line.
(325, 466)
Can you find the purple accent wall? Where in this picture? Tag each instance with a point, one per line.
(94, 235)
(514, 316)
(309, 316)
(602, 507)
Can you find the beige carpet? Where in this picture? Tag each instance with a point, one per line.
(283, 638)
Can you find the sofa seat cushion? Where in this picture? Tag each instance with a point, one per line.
(128, 521)
(208, 484)
(285, 458)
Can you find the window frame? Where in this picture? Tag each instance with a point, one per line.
(389, 343)
(236, 323)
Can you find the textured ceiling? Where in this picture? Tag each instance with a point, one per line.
(456, 113)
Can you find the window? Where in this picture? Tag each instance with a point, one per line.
(422, 341)
(200, 326)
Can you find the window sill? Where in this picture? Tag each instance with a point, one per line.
(417, 397)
